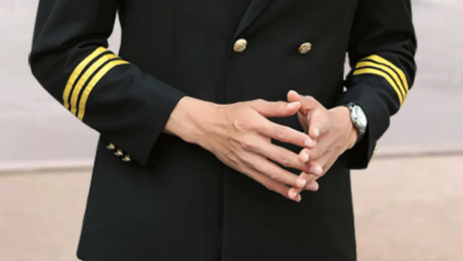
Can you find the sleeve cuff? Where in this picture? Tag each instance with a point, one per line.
(371, 102)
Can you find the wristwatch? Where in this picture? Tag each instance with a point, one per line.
(359, 119)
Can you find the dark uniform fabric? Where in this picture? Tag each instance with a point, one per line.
(156, 197)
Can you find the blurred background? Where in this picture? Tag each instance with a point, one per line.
(408, 204)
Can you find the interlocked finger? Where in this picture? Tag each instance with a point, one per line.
(273, 171)
(312, 184)
(271, 184)
(285, 134)
(282, 156)
(317, 169)
(323, 145)
(275, 109)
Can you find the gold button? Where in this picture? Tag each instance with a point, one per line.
(119, 153)
(127, 159)
(376, 148)
(111, 146)
(305, 48)
(240, 45)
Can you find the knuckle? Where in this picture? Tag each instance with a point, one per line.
(243, 124)
(310, 99)
(248, 144)
(283, 160)
(280, 133)
(272, 175)
(237, 125)
(281, 104)
(245, 121)
(247, 162)
(252, 125)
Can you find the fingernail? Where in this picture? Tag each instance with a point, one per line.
(312, 186)
(296, 92)
(299, 198)
(301, 183)
(316, 170)
(308, 142)
(305, 157)
(291, 104)
(292, 194)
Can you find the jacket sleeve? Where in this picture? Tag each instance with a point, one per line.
(69, 58)
(381, 54)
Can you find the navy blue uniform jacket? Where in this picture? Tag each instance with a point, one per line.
(156, 197)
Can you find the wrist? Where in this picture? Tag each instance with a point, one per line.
(353, 133)
(353, 136)
(358, 119)
(187, 121)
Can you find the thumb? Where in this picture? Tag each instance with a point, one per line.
(275, 109)
(293, 96)
(308, 103)
(315, 125)
(314, 131)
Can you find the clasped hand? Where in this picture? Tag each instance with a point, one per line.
(240, 136)
(333, 131)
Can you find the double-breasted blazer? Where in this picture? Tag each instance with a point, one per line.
(156, 197)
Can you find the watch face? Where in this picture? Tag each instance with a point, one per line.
(360, 117)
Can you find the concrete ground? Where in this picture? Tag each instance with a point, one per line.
(410, 209)
(407, 209)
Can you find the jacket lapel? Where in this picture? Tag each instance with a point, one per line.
(255, 8)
